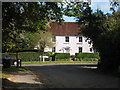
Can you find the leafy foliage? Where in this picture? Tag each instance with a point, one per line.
(29, 56)
(22, 17)
(43, 39)
(62, 56)
(103, 31)
(87, 55)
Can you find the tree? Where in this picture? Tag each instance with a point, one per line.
(109, 47)
(19, 17)
(42, 40)
(103, 31)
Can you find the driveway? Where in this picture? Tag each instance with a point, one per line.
(73, 76)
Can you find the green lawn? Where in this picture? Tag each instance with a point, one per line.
(57, 62)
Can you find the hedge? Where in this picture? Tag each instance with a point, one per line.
(28, 56)
(87, 55)
(62, 56)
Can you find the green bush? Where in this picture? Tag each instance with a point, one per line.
(87, 56)
(29, 56)
(33, 56)
(62, 56)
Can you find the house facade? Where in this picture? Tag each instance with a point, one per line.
(67, 39)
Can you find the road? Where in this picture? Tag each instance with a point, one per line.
(73, 76)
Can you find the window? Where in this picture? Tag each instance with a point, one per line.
(90, 49)
(80, 49)
(67, 39)
(80, 39)
(53, 49)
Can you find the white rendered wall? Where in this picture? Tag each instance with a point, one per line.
(73, 43)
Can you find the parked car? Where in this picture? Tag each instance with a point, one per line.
(7, 58)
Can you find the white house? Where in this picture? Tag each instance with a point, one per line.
(68, 39)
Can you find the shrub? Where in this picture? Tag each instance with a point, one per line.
(87, 56)
(72, 57)
(29, 56)
(32, 56)
(62, 56)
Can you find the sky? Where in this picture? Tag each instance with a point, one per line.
(103, 5)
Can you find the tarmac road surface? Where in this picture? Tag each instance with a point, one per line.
(73, 76)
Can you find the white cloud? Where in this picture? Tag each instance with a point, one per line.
(102, 5)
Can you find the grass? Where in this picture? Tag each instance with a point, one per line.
(14, 69)
(4, 75)
(57, 62)
(5, 71)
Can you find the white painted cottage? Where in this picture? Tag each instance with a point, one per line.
(68, 39)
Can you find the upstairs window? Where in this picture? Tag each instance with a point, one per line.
(67, 39)
(80, 39)
(80, 49)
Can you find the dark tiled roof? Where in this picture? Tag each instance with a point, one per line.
(67, 28)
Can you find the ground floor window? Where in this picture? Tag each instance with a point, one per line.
(91, 49)
(80, 49)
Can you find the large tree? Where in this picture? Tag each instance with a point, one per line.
(19, 17)
(103, 30)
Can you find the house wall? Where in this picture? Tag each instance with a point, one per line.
(73, 43)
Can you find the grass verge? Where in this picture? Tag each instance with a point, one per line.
(14, 69)
(57, 62)
(5, 71)
(4, 75)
